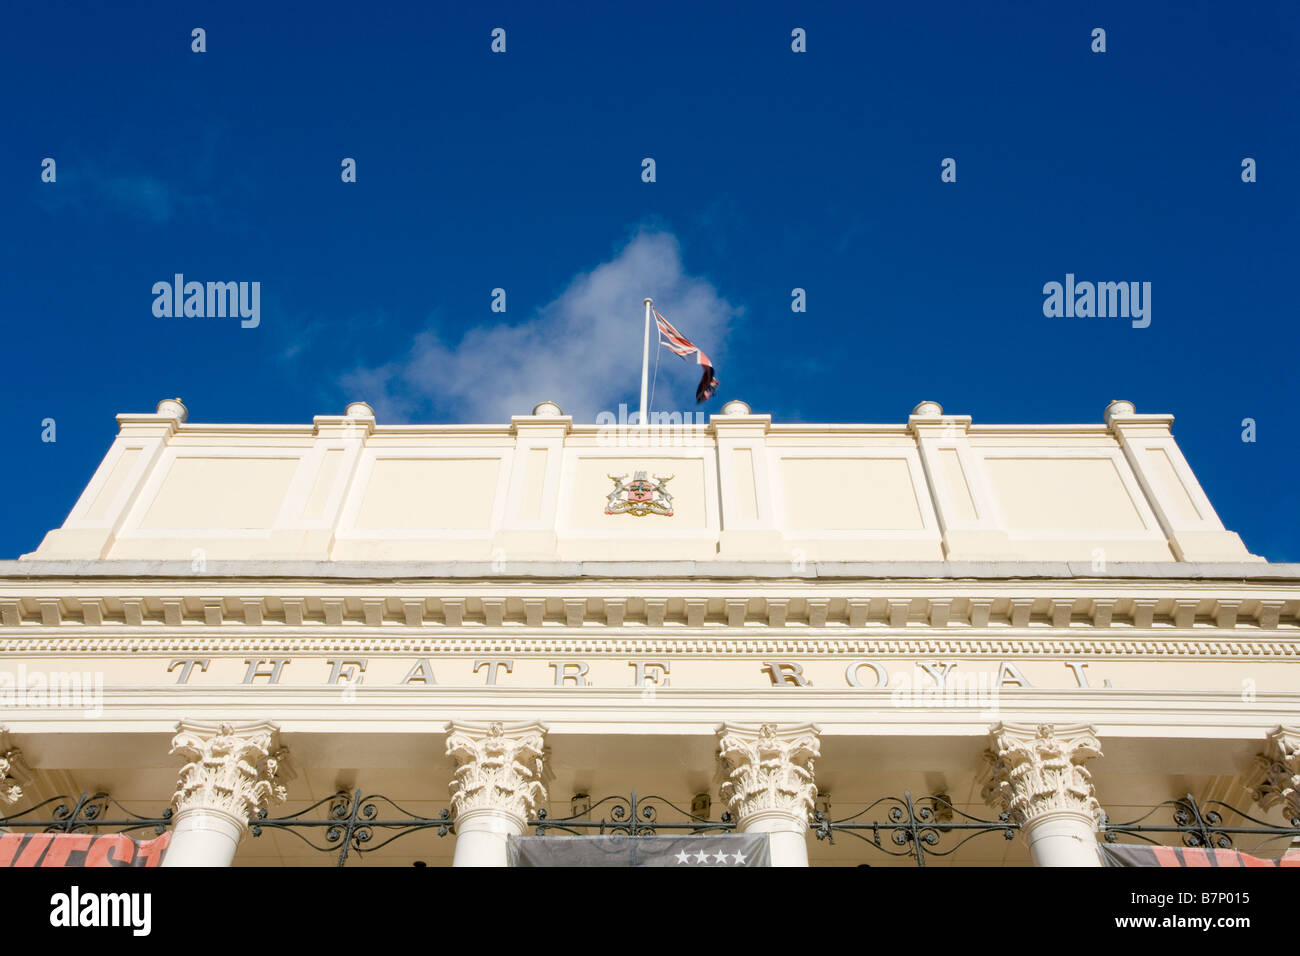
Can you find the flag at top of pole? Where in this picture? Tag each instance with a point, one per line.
(676, 342)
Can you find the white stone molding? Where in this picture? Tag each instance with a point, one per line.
(500, 778)
(1275, 777)
(1036, 774)
(231, 768)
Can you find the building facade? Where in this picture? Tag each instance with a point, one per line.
(1011, 638)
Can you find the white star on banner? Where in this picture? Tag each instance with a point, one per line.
(683, 857)
(720, 857)
(701, 857)
(739, 858)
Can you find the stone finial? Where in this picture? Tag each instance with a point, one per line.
(173, 408)
(1119, 409)
(735, 407)
(232, 768)
(769, 769)
(1274, 779)
(499, 767)
(359, 410)
(1032, 770)
(547, 409)
(928, 410)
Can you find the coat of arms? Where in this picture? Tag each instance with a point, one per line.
(640, 497)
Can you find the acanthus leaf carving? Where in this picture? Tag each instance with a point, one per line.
(768, 768)
(231, 768)
(1032, 770)
(1275, 775)
(499, 767)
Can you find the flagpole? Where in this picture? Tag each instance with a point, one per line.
(645, 362)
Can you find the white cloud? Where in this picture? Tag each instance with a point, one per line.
(582, 351)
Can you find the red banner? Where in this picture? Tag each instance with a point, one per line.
(80, 849)
(1122, 854)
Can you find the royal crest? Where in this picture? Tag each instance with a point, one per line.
(640, 497)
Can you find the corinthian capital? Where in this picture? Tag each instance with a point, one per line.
(499, 766)
(13, 772)
(1275, 776)
(1032, 770)
(768, 768)
(231, 768)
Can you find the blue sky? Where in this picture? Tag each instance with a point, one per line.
(774, 170)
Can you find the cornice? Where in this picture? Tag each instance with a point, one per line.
(948, 572)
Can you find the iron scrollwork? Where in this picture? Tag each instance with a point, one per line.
(903, 827)
(915, 825)
(350, 823)
(634, 816)
(85, 812)
(1201, 825)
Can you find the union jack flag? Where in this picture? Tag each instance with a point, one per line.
(683, 346)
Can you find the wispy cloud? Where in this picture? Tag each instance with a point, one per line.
(144, 196)
(583, 350)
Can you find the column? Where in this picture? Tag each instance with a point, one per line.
(1275, 780)
(500, 779)
(1036, 774)
(233, 770)
(768, 783)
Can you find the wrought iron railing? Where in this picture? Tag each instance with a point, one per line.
(914, 825)
(1201, 825)
(350, 823)
(632, 816)
(84, 812)
(919, 828)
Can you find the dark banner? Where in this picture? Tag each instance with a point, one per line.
(1116, 854)
(739, 849)
(80, 849)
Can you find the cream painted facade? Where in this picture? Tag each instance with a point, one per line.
(1045, 620)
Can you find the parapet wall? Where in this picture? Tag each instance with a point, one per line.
(739, 489)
